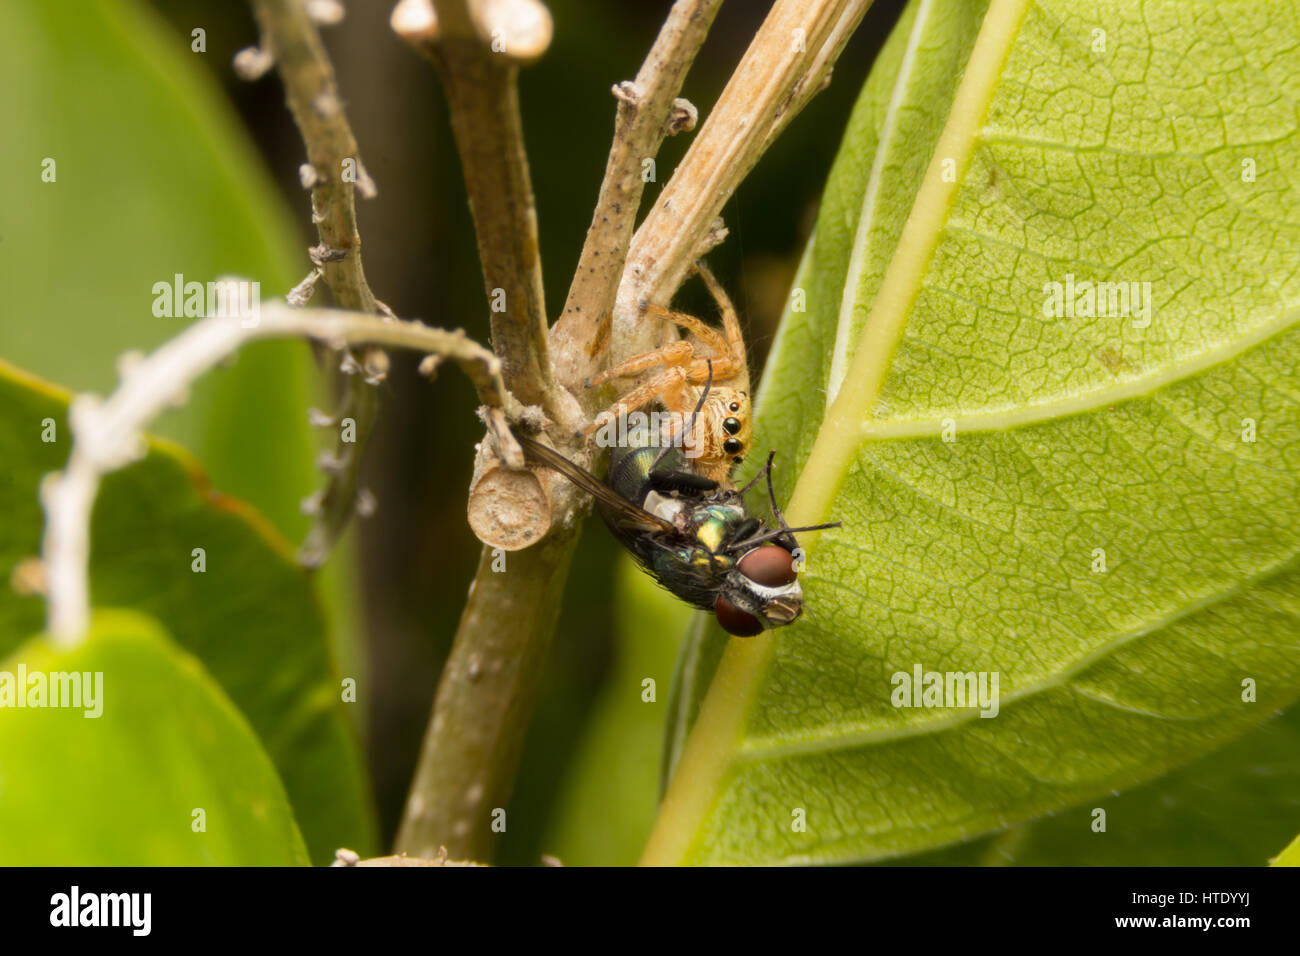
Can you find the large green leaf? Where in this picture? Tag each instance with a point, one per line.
(153, 178)
(251, 616)
(1232, 807)
(117, 780)
(990, 155)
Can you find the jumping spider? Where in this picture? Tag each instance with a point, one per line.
(722, 430)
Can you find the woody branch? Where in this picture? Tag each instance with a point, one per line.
(483, 703)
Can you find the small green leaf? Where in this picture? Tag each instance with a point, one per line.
(1099, 509)
(149, 176)
(250, 615)
(159, 769)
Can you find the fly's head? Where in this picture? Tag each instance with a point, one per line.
(760, 592)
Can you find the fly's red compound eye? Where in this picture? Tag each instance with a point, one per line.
(769, 565)
(734, 620)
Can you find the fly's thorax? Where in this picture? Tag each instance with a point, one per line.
(713, 524)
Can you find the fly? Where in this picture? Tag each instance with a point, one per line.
(695, 536)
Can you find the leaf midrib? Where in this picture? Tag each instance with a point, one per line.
(867, 216)
(714, 740)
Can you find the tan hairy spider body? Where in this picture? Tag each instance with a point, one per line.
(723, 429)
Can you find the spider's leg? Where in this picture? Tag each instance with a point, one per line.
(724, 369)
(730, 321)
(701, 330)
(643, 394)
(675, 353)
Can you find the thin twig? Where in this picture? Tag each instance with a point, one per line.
(788, 61)
(481, 711)
(647, 112)
(293, 41)
(108, 434)
(333, 173)
(483, 100)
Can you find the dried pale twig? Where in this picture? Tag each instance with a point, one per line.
(788, 61)
(108, 434)
(333, 173)
(648, 111)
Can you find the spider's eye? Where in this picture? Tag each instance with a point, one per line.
(732, 446)
(731, 425)
(734, 406)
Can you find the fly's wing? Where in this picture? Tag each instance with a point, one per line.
(614, 506)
